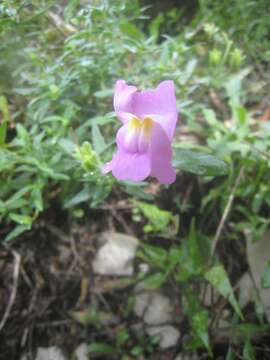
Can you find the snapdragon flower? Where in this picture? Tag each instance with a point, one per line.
(144, 142)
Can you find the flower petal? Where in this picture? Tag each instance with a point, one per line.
(144, 142)
(158, 104)
(127, 137)
(126, 166)
(122, 101)
(161, 156)
(106, 168)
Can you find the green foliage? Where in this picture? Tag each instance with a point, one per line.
(183, 262)
(199, 320)
(57, 74)
(245, 21)
(266, 277)
(6, 117)
(101, 348)
(63, 88)
(158, 220)
(249, 330)
(192, 255)
(218, 278)
(199, 163)
(248, 351)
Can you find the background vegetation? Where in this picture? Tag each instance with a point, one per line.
(59, 63)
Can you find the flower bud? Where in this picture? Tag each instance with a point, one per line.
(236, 58)
(54, 91)
(215, 57)
(86, 155)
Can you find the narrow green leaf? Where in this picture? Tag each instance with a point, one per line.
(101, 348)
(200, 325)
(7, 159)
(155, 24)
(218, 278)
(122, 337)
(190, 68)
(233, 86)
(241, 115)
(158, 219)
(18, 199)
(230, 354)
(18, 230)
(97, 139)
(249, 330)
(50, 172)
(103, 93)
(23, 134)
(198, 317)
(36, 197)
(3, 132)
(71, 8)
(193, 255)
(5, 114)
(248, 351)
(68, 146)
(136, 351)
(199, 163)
(21, 219)
(54, 119)
(154, 255)
(155, 281)
(211, 119)
(131, 30)
(80, 197)
(265, 281)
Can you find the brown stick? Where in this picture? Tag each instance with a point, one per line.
(16, 272)
(226, 212)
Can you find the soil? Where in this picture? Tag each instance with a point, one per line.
(55, 285)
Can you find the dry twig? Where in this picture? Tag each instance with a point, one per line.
(16, 272)
(226, 211)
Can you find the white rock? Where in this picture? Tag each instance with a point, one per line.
(159, 310)
(153, 307)
(247, 292)
(169, 335)
(115, 257)
(25, 357)
(258, 254)
(142, 302)
(81, 352)
(50, 353)
(186, 357)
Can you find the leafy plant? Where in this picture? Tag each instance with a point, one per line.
(58, 67)
(158, 220)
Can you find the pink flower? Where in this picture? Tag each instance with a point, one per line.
(144, 142)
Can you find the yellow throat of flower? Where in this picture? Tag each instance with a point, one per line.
(144, 126)
(138, 135)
